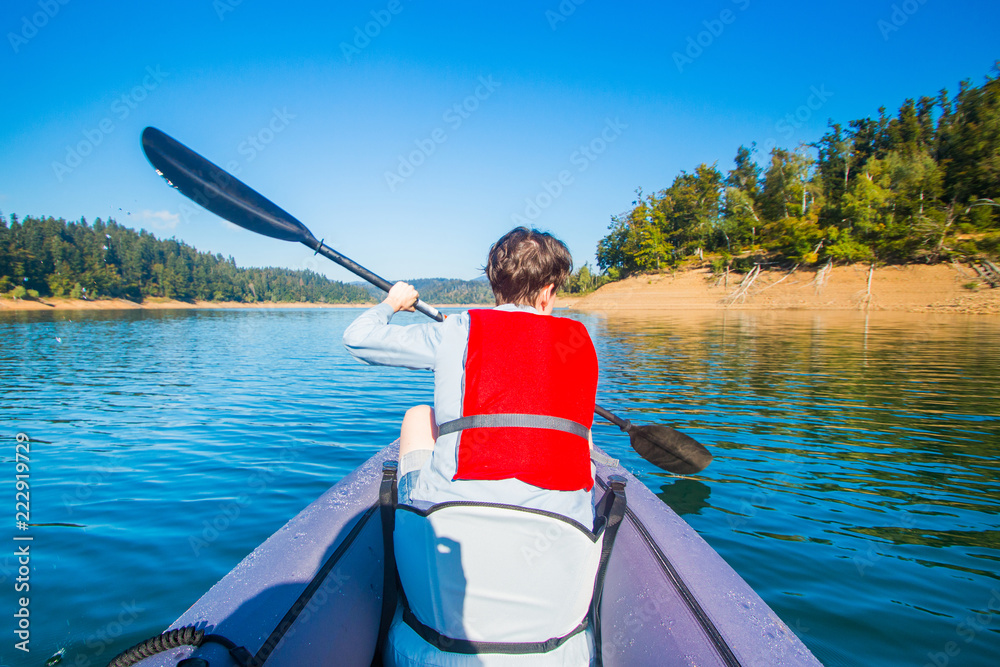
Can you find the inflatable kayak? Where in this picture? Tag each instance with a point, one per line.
(311, 594)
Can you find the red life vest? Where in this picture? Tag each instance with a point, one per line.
(524, 364)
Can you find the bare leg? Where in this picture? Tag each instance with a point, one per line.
(419, 430)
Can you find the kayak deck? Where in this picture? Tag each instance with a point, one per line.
(311, 593)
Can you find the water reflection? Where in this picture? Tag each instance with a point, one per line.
(855, 482)
(685, 496)
(856, 462)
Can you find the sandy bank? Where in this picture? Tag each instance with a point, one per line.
(916, 288)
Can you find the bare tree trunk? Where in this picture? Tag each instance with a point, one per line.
(779, 280)
(949, 219)
(822, 275)
(868, 295)
(741, 293)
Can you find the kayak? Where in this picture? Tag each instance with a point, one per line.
(311, 593)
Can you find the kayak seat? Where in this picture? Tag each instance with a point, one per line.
(492, 584)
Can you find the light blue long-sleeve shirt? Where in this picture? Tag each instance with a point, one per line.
(440, 347)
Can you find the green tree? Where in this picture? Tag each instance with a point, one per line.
(920, 185)
(740, 220)
(833, 168)
(785, 193)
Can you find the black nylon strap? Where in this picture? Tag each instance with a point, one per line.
(387, 509)
(472, 647)
(615, 512)
(292, 614)
(514, 420)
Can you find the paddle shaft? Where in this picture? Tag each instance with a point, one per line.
(623, 424)
(374, 279)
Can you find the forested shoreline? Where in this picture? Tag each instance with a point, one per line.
(50, 257)
(920, 186)
(445, 290)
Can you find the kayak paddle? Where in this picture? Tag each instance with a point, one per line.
(229, 198)
(663, 446)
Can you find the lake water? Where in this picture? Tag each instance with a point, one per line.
(855, 482)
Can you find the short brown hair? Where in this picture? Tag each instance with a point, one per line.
(524, 262)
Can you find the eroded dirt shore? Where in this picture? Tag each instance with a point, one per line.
(942, 288)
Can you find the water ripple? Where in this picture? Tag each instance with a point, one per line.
(854, 486)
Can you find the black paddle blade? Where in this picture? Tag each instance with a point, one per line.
(219, 191)
(669, 449)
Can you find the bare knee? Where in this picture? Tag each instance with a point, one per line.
(419, 430)
(419, 413)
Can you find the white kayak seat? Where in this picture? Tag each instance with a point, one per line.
(496, 581)
(496, 573)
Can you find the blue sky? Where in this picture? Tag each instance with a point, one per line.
(410, 135)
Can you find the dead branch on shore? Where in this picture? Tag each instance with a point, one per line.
(866, 301)
(822, 276)
(989, 272)
(763, 289)
(741, 291)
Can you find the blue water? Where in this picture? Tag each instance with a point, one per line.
(855, 484)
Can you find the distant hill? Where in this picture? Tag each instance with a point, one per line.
(444, 290)
(41, 257)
